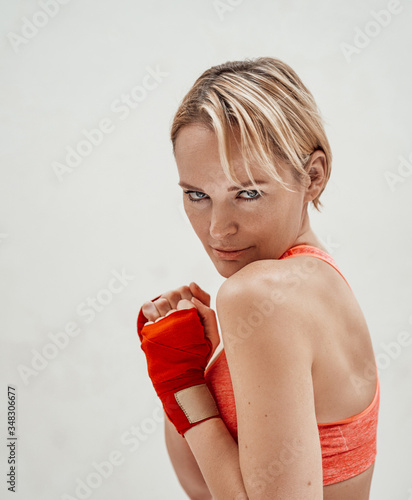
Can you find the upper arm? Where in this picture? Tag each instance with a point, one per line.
(270, 358)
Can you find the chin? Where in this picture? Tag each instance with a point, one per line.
(225, 274)
(228, 268)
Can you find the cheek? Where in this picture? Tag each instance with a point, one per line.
(274, 223)
(197, 219)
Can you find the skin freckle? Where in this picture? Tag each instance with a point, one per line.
(223, 217)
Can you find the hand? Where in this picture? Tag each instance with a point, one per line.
(167, 303)
(177, 351)
(185, 297)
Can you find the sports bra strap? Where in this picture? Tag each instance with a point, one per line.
(312, 252)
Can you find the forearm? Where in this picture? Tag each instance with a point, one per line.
(217, 455)
(181, 342)
(184, 464)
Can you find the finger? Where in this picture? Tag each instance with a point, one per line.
(161, 317)
(149, 310)
(207, 315)
(182, 304)
(173, 296)
(185, 292)
(199, 293)
(162, 305)
(153, 310)
(209, 322)
(185, 304)
(167, 314)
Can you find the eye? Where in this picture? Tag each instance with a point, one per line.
(195, 195)
(251, 194)
(254, 195)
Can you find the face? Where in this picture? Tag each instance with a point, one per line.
(236, 225)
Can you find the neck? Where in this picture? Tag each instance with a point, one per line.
(306, 235)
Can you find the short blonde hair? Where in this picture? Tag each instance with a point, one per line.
(266, 102)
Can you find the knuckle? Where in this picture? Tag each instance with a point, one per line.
(185, 304)
(161, 300)
(174, 295)
(147, 307)
(185, 291)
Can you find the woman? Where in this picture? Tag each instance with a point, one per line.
(288, 408)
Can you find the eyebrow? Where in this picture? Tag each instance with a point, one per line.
(232, 188)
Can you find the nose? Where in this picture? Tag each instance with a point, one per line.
(222, 223)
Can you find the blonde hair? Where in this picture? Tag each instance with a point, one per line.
(267, 103)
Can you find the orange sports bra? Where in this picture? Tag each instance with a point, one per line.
(348, 446)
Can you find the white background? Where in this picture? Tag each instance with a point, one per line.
(120, 210)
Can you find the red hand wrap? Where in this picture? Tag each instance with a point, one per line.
(176, 351)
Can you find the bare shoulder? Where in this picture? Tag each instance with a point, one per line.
(304, 294)
(273, 296)
(284, 282)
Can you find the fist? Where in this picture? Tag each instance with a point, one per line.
(168, 302)
(185, 297)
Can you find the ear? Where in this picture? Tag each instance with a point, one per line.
(316, 169)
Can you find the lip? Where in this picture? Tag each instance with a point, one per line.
(229, 254)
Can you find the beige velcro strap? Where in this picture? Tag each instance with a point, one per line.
(197, 403)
